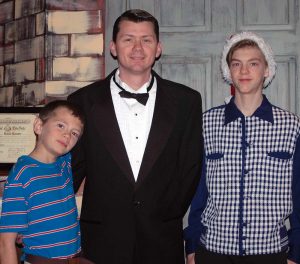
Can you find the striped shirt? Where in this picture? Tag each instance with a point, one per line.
(39, 203)
(249, 185)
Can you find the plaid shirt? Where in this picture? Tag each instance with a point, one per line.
(249, 183)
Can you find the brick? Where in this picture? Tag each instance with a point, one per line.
(25, 28)
(1, 34)
(9, 53)
(1, 55)
(86, 44)
(75, 5)
(10, 32)
(6, 11)
(40, 23)
(79, 69)
(86, 22)
(28, 7)
(40, 68)
(31, 94)
(20, 29)
(1, 76)
(57, 45)
(29, 49)
(61, 89)
(49, 68)
(19, 72)
(6, 96)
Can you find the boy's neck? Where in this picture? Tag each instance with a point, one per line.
(39, 156)
(248, 103)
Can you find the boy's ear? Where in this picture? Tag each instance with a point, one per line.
(266, 72)
(37, 126)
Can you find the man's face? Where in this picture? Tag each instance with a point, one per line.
(248, 70)
(136, 48)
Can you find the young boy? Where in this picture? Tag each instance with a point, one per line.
(250, 184)
(39, 201)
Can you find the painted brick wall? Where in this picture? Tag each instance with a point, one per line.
(49, 48)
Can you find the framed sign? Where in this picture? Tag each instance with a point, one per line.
(16, 134)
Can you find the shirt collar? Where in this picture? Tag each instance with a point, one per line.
(264, 111)
(142, 89)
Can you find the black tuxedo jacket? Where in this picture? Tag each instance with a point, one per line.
(124, 221)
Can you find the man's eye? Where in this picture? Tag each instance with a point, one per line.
(60, 125)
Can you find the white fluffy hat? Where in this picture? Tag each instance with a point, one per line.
(265, 48)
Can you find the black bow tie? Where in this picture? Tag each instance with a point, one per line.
(142, 98)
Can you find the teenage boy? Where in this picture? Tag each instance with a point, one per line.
(251, 183)
(39, 201)
(141, 153)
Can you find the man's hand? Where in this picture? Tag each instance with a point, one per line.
(291, 262)
(191, 259)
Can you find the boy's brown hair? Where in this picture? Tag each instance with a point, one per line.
(242, 44)
(49, 110)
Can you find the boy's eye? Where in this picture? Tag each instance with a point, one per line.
(75, 134)
(234, 64)
(60, 125)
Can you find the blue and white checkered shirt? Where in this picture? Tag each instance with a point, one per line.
(249, 182)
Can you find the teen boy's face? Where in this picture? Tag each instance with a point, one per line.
(248, 70)
(136, 47)
(58, 135)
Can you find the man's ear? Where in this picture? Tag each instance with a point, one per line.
(37, 126)
(112, 48)
(158, 50)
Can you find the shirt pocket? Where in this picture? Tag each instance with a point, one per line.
(215, 156)
(282, 155)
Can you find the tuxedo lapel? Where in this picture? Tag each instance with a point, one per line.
(162, 124)
(106, 123)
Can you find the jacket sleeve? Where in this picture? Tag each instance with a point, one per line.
(191, 155)
(294, 232)
(78, 156)
(189, 162)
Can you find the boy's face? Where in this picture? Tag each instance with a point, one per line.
(58, 135)
(248, 70)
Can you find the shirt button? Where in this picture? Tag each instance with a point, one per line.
(246, 171)
(136, 137)
(135, 114)
(244, 237)
(136, 203)
(247, 144)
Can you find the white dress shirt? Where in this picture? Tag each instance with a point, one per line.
(134, 120)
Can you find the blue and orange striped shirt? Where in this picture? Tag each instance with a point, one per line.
(39, 203)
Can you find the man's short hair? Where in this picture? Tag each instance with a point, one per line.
(135, 15)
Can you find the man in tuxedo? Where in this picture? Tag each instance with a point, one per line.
(140, 153)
